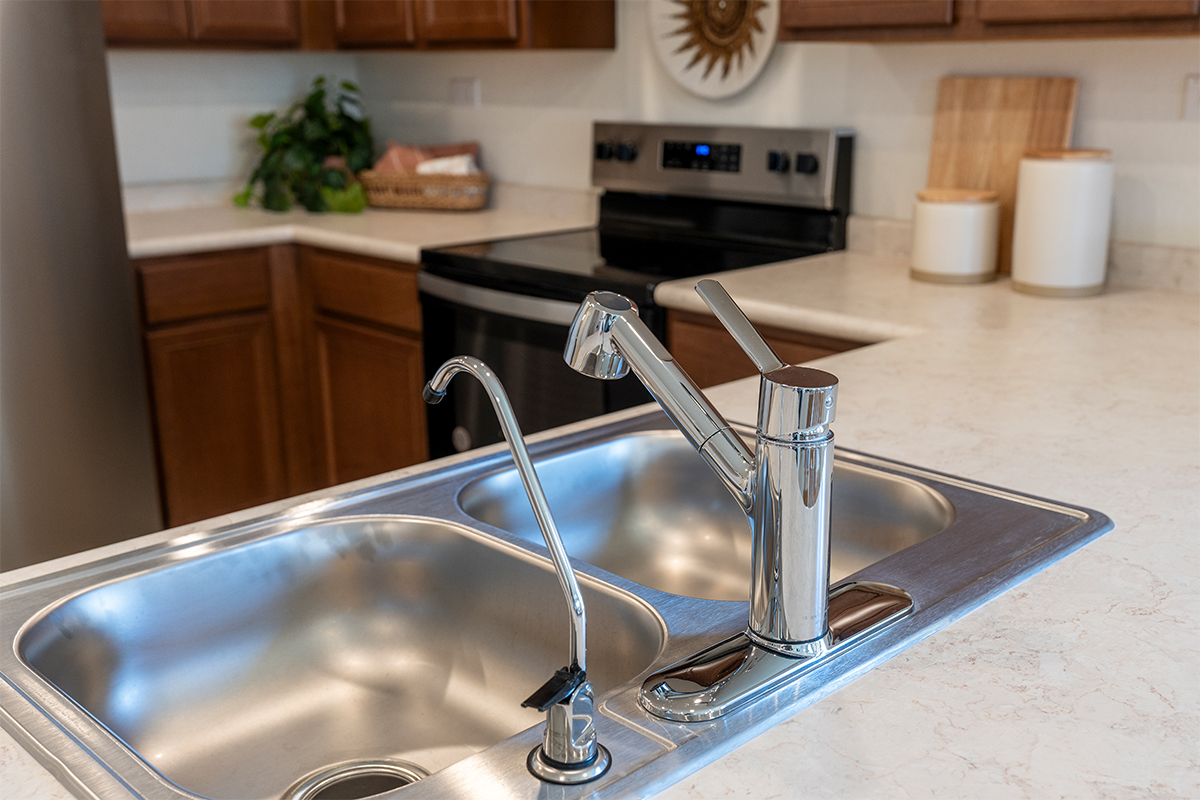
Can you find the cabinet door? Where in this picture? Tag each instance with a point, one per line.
(369, 389)
(215, 400)
(144, 21)
(1000, 11)
(447, 21)
(375, 22)
(864, 13)
(246, 21)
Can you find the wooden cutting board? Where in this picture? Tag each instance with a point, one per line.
(984, 125)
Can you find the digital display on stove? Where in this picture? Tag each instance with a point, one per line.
(702, 156)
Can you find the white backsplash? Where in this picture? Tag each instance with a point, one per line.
(1131, 265)
(181, 118)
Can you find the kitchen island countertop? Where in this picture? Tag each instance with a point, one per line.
(1079, 682)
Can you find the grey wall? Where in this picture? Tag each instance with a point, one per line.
(77, 465)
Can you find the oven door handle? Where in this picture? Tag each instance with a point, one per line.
(535, 309)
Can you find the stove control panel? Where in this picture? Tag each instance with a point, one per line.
(787, 166)
(702, 156)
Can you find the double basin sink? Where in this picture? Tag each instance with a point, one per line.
(383, 640)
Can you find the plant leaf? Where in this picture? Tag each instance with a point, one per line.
(350, 200)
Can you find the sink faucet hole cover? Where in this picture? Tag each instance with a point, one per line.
(355, 780)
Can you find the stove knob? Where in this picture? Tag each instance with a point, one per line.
(605, 151)
(627, 151)
(777, 161)
(807, 163)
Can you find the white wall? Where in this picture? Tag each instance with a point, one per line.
(535, 120)
(183, 116)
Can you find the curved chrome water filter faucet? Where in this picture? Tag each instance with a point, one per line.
(569, 752)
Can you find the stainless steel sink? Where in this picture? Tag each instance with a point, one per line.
(237, 673)
(404, 623)
(646, 507)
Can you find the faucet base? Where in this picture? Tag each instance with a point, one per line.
(553, 772)
(741, 669)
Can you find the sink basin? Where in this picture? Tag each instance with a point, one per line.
(646, 507)
(238, 672)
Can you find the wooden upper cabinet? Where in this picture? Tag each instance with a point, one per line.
(374, 22)
(864, 13)
(457, 21)
(147, 21)
(330, 24)
(248, 21)
(1009, 11)
(981, 20)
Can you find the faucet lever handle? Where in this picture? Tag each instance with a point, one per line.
(558, 688)
(735, 321)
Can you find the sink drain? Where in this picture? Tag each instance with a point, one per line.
(355, 780)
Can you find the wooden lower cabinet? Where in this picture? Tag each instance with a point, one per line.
(707, 353)
(216, 409)
(372, 415)
(275, 371)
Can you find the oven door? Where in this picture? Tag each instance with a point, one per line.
(521, 337)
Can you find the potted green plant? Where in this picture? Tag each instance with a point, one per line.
(311, 153)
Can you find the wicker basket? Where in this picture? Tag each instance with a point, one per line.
(439, 192)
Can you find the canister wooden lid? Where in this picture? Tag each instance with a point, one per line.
(957, 195)
(1082, 152)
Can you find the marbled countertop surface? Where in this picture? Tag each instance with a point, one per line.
(395, 234)
(1080, 682)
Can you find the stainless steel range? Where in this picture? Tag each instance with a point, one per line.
(679, 201)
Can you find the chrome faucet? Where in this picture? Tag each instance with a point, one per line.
(784, 487)
(570, 752)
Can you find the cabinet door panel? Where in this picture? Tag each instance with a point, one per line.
(216, 409)
(376, 292)
(144, 21)
(175, 289)
(369, 386)
(237, 21)
(999, 11)
(864, 13)
(467, 20)
(375, 22)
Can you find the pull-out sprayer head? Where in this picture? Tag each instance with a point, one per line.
(590, 347)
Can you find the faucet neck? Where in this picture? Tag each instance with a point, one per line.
(607, 339)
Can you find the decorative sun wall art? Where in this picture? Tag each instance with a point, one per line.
(714, 48)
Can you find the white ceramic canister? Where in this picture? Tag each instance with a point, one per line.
(954, 235)
(1061, 224)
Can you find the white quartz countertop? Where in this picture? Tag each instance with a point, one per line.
(385, 233)
(1081, 682)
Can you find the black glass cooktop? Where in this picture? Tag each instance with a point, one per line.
(569, 265)
(641, 241)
